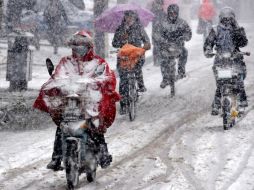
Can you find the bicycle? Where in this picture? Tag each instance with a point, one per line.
(129, 56)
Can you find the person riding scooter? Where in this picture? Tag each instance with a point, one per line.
(82, 62)
(227, 37)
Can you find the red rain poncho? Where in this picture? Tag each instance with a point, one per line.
(102, 88)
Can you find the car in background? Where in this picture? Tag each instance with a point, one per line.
(35, 23)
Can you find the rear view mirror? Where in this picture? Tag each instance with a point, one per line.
(50, 66)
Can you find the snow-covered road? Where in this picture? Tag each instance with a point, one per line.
(173, 144)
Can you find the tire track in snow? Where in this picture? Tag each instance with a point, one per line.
(159, 140)
(241, 167)
(245, 158)
(131, 156)
(174, 133)
(145, 109)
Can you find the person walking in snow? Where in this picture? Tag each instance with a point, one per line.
(53, 15)
(82, 63)
(132, 32)
(206, 16)
(226, 37)
(172, 34)
(157, 9)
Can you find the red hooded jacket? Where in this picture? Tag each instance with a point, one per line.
(207, 11)
(75, 69)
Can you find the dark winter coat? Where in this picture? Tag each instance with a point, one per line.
(227, 37)
(172, 34)
(224, 39)
(137, 36)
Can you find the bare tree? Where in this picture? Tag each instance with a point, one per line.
(99, 37)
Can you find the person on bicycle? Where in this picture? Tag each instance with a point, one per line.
(82, 62)
(226, 37)
(130, 32)
(173, 30)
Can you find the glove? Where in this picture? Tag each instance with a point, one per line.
(175, 34)
(181, 39)
(234, 24)
(209, 53)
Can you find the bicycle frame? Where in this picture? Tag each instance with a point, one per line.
(132, 94)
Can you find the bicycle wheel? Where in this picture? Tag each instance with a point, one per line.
(226, 114)
(71, 164)
(132, 99)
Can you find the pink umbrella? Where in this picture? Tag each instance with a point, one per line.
(111, 18)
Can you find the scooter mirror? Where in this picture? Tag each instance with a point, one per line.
(50, 66)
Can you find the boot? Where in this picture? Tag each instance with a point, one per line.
(215, 111)
(180, 76)
(123, 109)
(55, 165)
(216, 105)
(172, 90)
(163, 84)
(105, 157)
(243, 98)
(141, 89)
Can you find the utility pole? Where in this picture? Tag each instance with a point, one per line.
(1, 13)
(99, 37)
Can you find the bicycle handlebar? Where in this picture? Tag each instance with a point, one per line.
(238, 53)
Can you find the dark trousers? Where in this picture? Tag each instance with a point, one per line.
(58, 150)
(168, 70)
(168, 66)
(156, 54)
(182, 61)
(123, 83)
(98, 139)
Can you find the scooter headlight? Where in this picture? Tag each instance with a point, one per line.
(226, 55)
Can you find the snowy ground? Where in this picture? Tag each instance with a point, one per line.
(174, 144)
